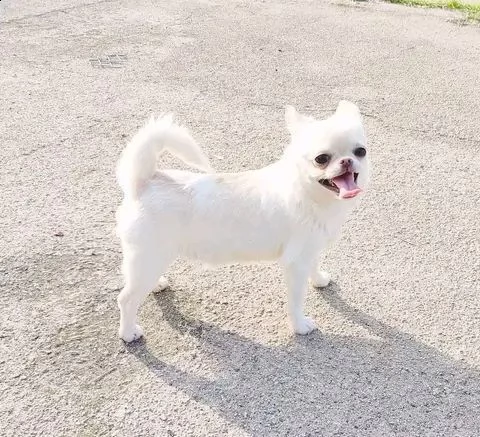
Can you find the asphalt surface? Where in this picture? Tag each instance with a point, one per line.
(397, 352)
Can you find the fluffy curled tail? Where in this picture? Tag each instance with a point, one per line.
(138, 161)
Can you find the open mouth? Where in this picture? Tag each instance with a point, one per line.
(344, 185)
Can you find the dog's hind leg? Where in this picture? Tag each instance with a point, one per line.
(142, 267)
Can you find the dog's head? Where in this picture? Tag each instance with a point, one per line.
(331, 155)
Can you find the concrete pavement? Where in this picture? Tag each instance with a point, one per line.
(398, 347)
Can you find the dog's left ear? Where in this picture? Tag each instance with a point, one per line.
(348, 108)
(294, 119)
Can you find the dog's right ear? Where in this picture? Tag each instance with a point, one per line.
(294, 119)
(348, 108)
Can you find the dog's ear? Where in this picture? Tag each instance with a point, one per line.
(294, 119)
(348, 108)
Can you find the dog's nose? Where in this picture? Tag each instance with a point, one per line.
(346, 162)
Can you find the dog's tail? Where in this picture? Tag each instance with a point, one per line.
(138, 161)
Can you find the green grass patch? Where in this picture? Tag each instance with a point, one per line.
(472, 11)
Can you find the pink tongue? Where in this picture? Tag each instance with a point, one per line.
(347, 186)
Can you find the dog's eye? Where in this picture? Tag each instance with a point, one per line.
(322, 159)
(360, 152)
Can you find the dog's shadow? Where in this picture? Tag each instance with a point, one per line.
(325, 385)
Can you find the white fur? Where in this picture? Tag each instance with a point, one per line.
(277, 213)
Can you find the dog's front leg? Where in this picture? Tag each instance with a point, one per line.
(296, 276)
(319, 278)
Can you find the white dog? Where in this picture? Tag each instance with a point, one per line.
(288, 211)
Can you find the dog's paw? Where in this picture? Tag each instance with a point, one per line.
(320, 279)
(132, 334)
(303, 326)
(162, 284)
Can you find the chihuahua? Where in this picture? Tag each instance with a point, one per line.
(288, 211)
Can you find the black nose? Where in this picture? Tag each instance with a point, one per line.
(346, 162)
